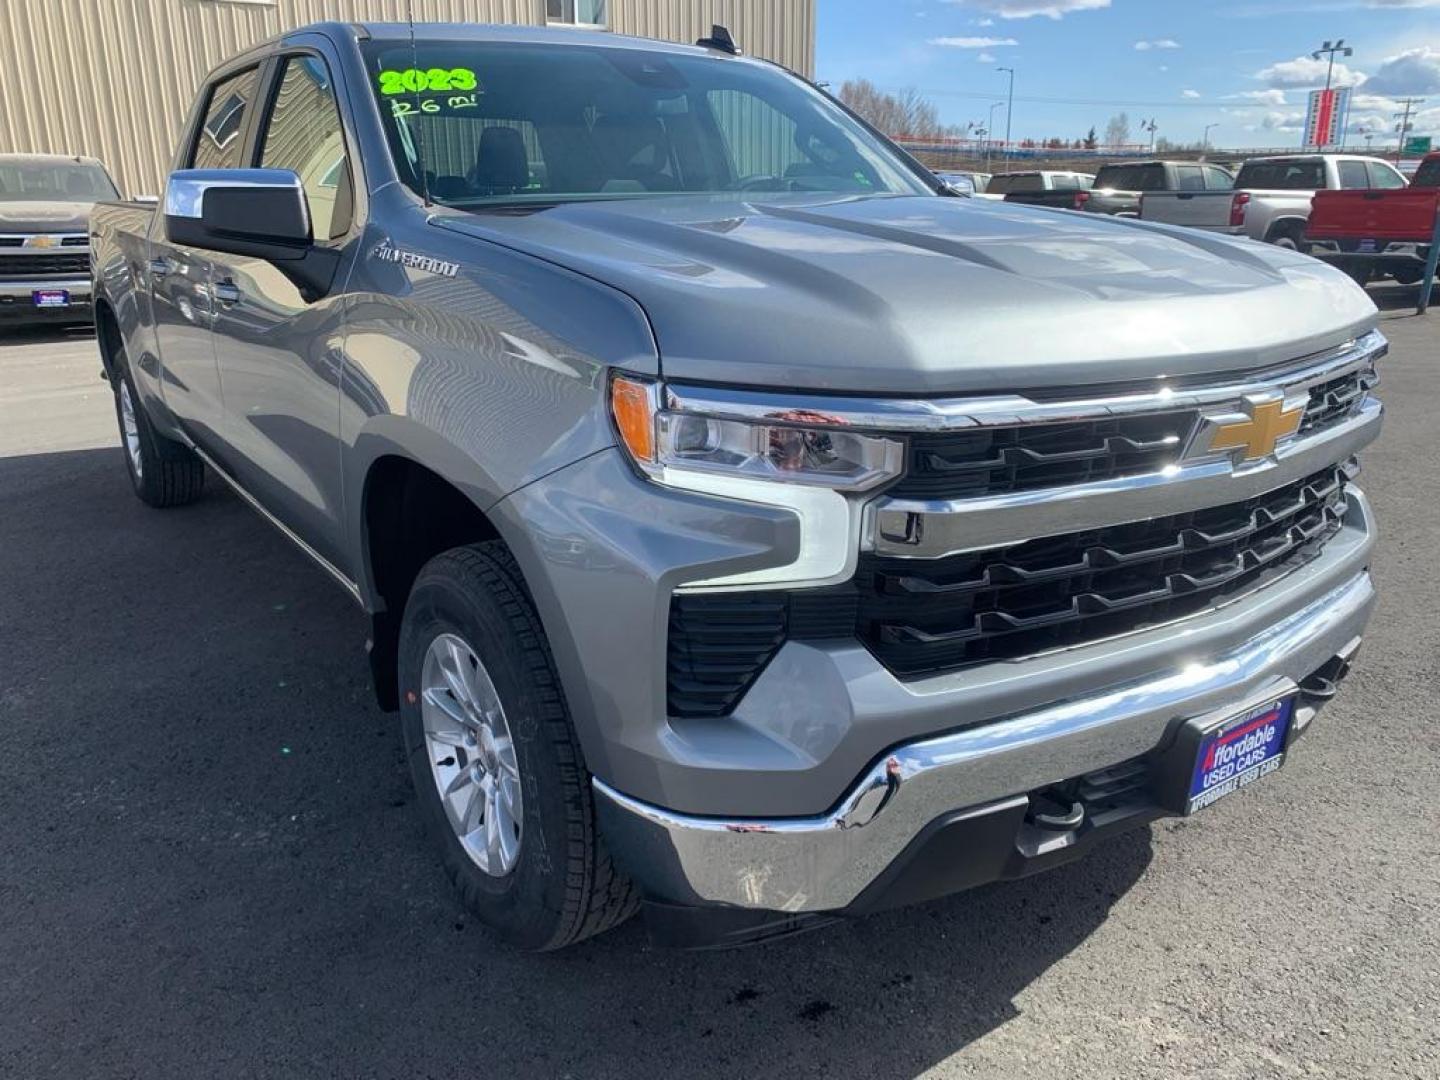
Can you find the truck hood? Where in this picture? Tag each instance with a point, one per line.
(40, 217)
(911, 294)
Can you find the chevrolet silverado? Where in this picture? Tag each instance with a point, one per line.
(1271, 199)
(45, 203)
(749, 529)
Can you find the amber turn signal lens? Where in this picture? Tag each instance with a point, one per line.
(633, 408)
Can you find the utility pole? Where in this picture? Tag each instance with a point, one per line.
(1205, 139)
(1009, 111)
(1150, 126)
(1404, 126)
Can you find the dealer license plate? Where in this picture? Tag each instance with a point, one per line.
(1240, 751)
(51, 297)
(1367, 247)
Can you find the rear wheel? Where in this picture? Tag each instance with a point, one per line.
(163, 472)
(1408, 275)
(498, 771)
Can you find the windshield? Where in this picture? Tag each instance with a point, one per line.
(482, 123)
(1282, 175)
(1131, 177)
(54, 182)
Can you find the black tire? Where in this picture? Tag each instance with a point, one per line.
(1360, 273)
(563, 887)
(1408, 275)
(1286, 239)
(169, 473)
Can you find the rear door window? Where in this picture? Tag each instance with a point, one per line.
(1428, 175)
(1217, 179)
(1282, 175)
(218, 142)
(1189, 178)
(1353, 175)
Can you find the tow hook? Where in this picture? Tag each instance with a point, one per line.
(1054, 813)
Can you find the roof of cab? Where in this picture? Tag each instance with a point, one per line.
(518, 34)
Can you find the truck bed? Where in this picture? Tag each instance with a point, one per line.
(1194, 209)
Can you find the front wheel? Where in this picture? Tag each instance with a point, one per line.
(163, 472)
(498, 771)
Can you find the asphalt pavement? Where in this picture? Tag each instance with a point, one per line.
(210, 864)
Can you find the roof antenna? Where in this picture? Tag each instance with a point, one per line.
(419, 127)
(720, 39)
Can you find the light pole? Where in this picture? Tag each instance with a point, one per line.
(1329, 50)
(1009, 112)
(1150, 126)
(1205, 139)
(991, 126)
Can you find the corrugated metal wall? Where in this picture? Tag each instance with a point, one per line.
(114, 78)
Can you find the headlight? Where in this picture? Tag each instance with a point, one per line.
(801, 460)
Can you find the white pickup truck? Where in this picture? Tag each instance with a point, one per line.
(1271, 200)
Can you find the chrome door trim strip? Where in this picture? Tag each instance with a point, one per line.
(325, 564)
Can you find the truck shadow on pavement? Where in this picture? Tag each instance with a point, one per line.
(209, 864)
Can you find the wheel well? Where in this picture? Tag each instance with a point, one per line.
(107, 335)
(411, 514)
(1291, 227)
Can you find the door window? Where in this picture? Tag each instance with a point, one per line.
(1189, 178)
(1217, 179)
(217, 146)
(304, 134)
(1353, 175)
(1383, 176)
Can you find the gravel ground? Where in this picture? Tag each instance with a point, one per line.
(209, 865)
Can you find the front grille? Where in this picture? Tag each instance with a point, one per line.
(922, 617)
(984, 461)
(998, 460)
(77, 263)
(1336, 399)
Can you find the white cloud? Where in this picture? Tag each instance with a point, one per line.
(1158, 43)
(1413, 72)
(1276, 121)
(985, 22)
(1164, 67)
(1027, 9)
(972, 42)
(1262, 97)
(985, 58)
(1190, 93)
(1306, 71)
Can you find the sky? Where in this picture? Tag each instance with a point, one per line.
(1242, 65)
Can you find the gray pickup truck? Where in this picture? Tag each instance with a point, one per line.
(748, 528)
(45, 203)
(1119, 187)
(1271, 197)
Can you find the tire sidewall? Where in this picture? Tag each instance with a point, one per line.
(523, 906)
(123, 379)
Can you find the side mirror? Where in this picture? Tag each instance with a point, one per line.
(260, 213)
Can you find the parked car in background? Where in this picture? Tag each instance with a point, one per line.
(967, 183)
(1271, 198)
(1043, 187)
(744, 527)
(45, 203)
(1118, 187)
(1378, 231)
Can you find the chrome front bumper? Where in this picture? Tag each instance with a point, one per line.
(824, 863)
(78, 288)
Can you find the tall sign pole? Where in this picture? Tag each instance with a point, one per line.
(1331, 49)
(1009, 111)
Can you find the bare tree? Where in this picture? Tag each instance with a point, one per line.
(905, 113)
(1117, 131)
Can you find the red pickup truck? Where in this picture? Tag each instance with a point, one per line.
(1375, 231)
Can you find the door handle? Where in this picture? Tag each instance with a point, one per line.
(225, 292)
(160, 268)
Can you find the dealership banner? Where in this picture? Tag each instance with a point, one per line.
(1325, 118)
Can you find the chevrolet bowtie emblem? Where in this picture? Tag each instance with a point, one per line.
(41, 241)
(1257, 437)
